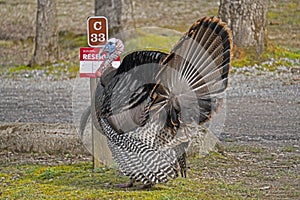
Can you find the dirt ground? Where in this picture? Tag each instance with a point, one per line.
(261, 133)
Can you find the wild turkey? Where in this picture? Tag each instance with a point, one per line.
(150, 107)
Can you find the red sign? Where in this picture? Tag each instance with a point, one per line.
(90, 61)
(97, 27)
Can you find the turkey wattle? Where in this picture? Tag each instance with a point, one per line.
(150, 106)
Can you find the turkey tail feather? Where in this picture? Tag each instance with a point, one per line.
(199, 64)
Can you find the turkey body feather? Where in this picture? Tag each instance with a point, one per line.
(150, 104)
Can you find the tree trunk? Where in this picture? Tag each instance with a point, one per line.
(46, 38)
(247, 20)
(112, 10)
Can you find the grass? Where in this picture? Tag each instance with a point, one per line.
(289, 149)
(59, 70)
(163, 40)
(79, 181)
(246, 57)
(6, 43)
(284, 21)
(70, 40)
(238, 172)
(206, 180)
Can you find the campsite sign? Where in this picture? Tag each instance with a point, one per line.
(97, 28)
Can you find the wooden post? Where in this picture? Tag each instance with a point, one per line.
(101, 152)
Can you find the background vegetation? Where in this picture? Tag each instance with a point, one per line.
(17, 31)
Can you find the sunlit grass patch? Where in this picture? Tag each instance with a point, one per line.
(280, 56)
(80, 181)
(290, 149)
(151, 39)
(233, 172)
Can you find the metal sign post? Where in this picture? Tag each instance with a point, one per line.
(97, 28)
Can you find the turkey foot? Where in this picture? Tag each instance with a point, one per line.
(126, 185)
(146, 186)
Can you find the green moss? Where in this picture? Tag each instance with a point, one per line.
(56, 70)
(292, 6)
(274, 51)
(273, 15)
(22, 68)
(289, 149)
(49, 173)
(79, 181)
(213, 12)
(146, 40)
(180, 27)
(71, 40)
(284, 21)
(6, 43)
(248, 57)
(207, 179)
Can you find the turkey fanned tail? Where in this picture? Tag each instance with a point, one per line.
(195, 73)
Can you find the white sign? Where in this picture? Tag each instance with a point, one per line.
(90, 61)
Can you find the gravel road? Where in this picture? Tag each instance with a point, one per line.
(264, 109)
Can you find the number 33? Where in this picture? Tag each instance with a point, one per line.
(98, 37)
